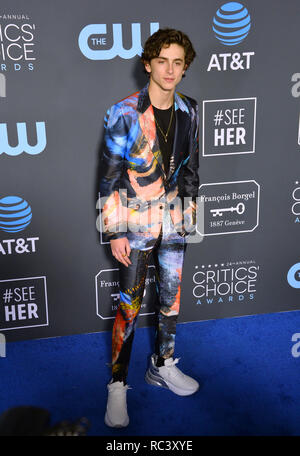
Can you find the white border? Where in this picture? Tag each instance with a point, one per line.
(203, 124)
(257, 218)
(97, 304)
(46, 302)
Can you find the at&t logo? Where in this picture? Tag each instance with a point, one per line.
(92, 34)
(15, 216)
(231, 25)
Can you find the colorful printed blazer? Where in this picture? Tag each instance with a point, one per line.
(134, 187)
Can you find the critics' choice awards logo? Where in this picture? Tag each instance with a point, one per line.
(15, 216)
(23, 303)
(17, 42)
(22, 140)
(230, 207)
(296, 202)
(96, 43)
(228, 126)
(231, 25)
(108, 297)
(225, 282)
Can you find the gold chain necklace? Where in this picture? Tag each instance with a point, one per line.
(165, 135)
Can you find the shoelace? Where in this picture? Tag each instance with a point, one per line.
(121, 390)
(172, 366)
(175, 361)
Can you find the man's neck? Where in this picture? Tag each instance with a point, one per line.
(161, 99)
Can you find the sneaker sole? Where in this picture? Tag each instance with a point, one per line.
(110, 424)
(158, 381)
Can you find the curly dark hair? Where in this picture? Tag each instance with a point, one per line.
(165, 37)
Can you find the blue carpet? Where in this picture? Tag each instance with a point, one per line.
(250, 380)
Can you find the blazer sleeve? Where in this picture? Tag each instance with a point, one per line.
(111, 167)
(190, 169)
(190, 177)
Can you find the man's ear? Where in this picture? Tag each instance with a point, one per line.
(147, 67)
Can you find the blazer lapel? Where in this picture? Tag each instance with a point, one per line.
(181, 130)
(147, 123)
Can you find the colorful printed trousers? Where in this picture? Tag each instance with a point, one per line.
(168, 255)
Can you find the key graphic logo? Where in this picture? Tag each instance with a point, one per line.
(230, 207)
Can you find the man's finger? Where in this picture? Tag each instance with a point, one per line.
(121, 258)
(125, 258)
(128, 250)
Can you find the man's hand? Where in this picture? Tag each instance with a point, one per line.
(121, 250)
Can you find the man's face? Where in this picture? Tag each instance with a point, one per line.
(167, 69)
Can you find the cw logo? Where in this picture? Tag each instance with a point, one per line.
(117, 48)
(23, 145)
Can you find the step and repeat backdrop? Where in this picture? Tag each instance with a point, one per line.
(62, 65)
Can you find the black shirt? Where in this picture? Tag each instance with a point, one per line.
(162, 117)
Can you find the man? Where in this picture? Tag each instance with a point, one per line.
(149, 167)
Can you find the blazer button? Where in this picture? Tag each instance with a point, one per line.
(161, 206)
(137, 206)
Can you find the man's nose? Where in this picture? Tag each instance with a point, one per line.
(170, 68)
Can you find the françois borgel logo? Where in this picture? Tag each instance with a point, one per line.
(230, 207)
(97, 43)
(225, 282)
(17, 42)
(15, 216)
(108, 297)
(231, 25)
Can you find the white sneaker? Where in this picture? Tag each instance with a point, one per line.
(170, 377)
(116, 410)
